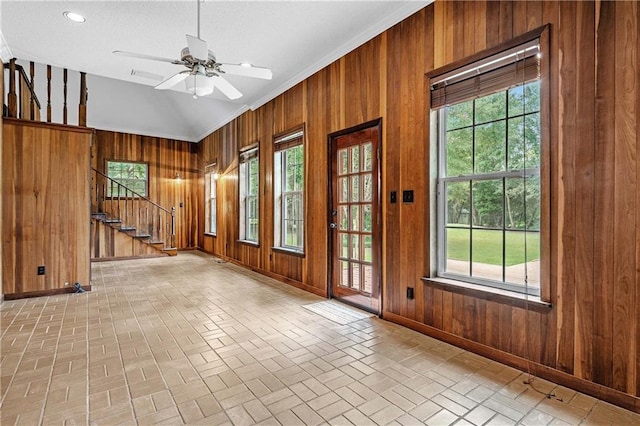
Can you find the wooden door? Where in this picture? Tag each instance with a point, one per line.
(355, 216)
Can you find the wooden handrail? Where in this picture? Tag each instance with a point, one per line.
(137, 195)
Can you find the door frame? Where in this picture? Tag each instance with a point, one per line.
(377, 252)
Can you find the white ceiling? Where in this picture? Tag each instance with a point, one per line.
(292, 38)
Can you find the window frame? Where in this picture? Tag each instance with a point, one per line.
(135, 195)
(211, 199)
(245, 157)
(283, 144)
(542, 35)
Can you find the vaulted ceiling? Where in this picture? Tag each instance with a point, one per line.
(292, 38)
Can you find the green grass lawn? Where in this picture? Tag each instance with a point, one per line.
(487, 246)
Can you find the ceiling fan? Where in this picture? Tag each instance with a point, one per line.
(204, 72)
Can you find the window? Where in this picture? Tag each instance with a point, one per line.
(249, 187)
(489, 160)
(288, 215)
(210, 181)
(132, 175)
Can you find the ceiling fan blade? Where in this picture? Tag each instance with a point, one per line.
(172, 81)
(247, 71)
(226, 88)
(197, 48)
(151, 58)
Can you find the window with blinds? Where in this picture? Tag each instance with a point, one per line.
(288, 214)
(249, 195)
(489, 209)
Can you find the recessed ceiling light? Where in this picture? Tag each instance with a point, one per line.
(75, 17)
(246, 64)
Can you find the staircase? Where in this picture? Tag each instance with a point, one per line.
(126, 223)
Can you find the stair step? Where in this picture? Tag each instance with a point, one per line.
(101, 216)
(127, 228)
(112, 221)
(141, 236)
(172, 251)
(155, 243)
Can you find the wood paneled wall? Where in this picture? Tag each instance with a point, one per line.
(165, 158)
(590, 336)
(1, 198)
(45, 208)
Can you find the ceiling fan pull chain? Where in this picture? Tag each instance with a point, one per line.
(198, 29)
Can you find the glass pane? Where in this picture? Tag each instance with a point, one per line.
(355, 218)
(355, 158)
(366, 218)
(355, 247)
(458, 242)
(343, 162)
(515, 258)
(367, 278)
(367, 149)
(460, 115)
(487, 254)
(487, 204)
(459, 152)
(344, 273)
(355, 276)
(458, 204)
(344, 245)
(368, 248)
(343, 185)
(532, 140)
(522, 212)
(367, 187)
(343, 217)
(490, 147)
(532, 97)
(355, 188)
(515, 142)
(490, 108)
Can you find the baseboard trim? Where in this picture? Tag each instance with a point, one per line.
(277, 277)
(142, 256)
(595, 390)
(40, 293)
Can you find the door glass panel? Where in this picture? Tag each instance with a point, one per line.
(366, 218)
(355, 159)
(367, 187)
(344, 245)
(368, 249)
(367, 278)
(355, 276)
(355, 218)
(344, 273)
(343, 162)
(367, 149)
(343, 218)
(355, 188)
(343, 185)
(355, 247)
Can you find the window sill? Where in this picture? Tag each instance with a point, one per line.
(249, 243)
(210, 234)
(497, 295)
(288, 251)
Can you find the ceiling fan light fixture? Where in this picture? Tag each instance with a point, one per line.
(73, 16)
(199, 85)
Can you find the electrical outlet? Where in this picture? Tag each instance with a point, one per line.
(40, 270)
(66, 283)
(393, 197)
(410, 293)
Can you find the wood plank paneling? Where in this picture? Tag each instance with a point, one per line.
(591, 141)
(165, 158)
(45, 209)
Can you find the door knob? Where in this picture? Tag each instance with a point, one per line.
(333, 225)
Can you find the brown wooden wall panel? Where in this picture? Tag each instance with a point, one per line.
(591, 331)
(1, 198)
(108, 242)
(165, 158)
(45, 209)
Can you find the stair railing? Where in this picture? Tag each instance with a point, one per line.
(134, 212)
